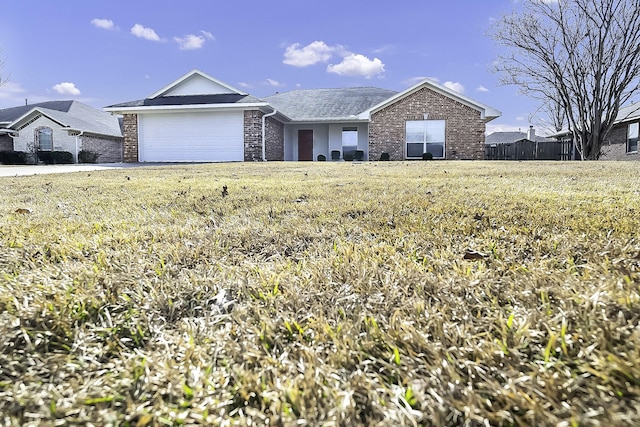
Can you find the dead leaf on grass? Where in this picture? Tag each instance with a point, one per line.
(474, 255)
(23, 211)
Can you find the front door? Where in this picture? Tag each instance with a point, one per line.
(305, 145)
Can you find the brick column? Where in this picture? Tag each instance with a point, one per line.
(130, 145)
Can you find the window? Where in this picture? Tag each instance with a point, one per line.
(44, 139)
(632, 138)
(349, 142)
(425, 136)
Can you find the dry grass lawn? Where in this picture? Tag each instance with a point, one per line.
(382, 293)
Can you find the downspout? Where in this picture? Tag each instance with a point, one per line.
(264, 133)
(78, 135)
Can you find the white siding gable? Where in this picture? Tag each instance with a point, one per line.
(197, 85)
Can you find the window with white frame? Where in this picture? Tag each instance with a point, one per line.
(425, 136)
(632, 137)
(349, 142)
(44, 139)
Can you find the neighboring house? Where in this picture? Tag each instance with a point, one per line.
(511, 137)
(199, 118)
(622, 141)
(61, 126)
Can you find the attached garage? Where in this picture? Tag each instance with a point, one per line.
(213, 136)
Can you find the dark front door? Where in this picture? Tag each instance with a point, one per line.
(305, 145)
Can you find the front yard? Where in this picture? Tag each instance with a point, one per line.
(380, 293)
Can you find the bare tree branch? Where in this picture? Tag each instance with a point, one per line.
(580, 56)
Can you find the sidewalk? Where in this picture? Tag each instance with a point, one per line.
(23, 170)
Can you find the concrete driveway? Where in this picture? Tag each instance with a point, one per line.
(22, 170)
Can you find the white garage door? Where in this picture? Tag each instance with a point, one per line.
(191, 137)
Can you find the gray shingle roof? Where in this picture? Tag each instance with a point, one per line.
(71, 114)
(8, 115)
(509, 137)
(224, 98)
(323, 104)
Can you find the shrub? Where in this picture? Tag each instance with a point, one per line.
(359, 155)
(86, 156)
(427, 156)
(55, 157)
(13, 158)
(348, 157)
(322, 158)
(384, 157)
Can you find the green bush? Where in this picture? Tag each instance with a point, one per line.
(384, 157)
(13, 158)
(55, 157)
(86, 156)
(427, 156)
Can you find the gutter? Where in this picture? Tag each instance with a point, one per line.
(264, 133)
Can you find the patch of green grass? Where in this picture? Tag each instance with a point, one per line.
(326, 294)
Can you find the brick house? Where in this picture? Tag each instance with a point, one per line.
(61, 126)
(622, 141)
(199, 118)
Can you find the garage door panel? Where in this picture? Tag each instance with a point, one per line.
(193, 136)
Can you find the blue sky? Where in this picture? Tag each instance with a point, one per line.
(103, 52)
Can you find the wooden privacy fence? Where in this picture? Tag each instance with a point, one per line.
(529, 150)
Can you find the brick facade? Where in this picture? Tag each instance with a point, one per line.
(274, 137)
(130, 144)
(253, 136)
(109, 149)
(274, 140)
(465, 128)
(615, 147)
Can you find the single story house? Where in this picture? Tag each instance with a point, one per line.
(200, 118)
(510, 137)
(622, 141)
(61, 126)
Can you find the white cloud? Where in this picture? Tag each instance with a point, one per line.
(207, 34)
(10, 90)
(491, 128)
(244, 85)
(482, 89)
(458, 87)
(190, 42)
(357, 65)
(311, 54)
(67, 88)
(105, 24)
(274, 83)
(145, 33)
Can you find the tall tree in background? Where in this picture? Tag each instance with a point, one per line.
(583, 55)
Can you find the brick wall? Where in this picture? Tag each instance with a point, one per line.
(274, 137)
(274, 140)
(6, 143)
(615, 147)
(252, 136)
(109, 149)
(464, 127)
(130, 144)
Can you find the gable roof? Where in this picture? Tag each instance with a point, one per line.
(72, 115)
(327, 104)
(191, 76)
(628, 113)
(194, 90)
(183, 100)
(487, 113)
(9, 115)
